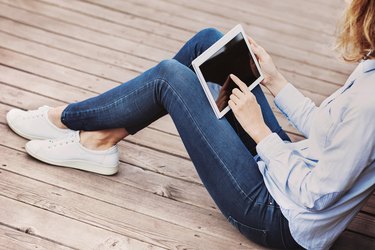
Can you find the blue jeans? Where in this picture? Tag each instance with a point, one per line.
(221, 151)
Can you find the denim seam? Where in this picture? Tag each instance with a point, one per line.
(103, 108)
(202, 136)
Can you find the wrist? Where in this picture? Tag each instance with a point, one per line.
(276, 84)
(258, 133)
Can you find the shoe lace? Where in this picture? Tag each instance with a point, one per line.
(69, 138)
(39, 113)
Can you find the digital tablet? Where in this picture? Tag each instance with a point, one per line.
(231, 54)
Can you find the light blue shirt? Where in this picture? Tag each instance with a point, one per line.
(322, 182)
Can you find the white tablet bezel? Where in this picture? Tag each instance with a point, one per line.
(210, 52)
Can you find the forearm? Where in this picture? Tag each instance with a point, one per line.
(258, 132)
(276, 84)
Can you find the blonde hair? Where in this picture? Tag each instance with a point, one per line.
(357, 31)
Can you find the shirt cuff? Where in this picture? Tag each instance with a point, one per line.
(270, 147)
(288, 99)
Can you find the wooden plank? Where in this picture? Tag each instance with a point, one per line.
(363, 224)
(74, 46)
(307, 16)
(50, 225)
(55, 72)
(69, 60)
(370, 205)
(351, 240)
(123, 25)
(96, 213)
(97, 33)
(12, 239)
(11, 95)
(130, 26)
(42, 86)
(330, 4)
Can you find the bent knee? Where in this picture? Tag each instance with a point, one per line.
(210, 33)
(170, 66)
(176, 74)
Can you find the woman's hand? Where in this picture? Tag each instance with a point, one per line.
(274, 81)
(247, 111)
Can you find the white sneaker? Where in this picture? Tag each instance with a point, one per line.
(68, 152)
(34, 124)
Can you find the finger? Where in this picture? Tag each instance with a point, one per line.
(232, 105)
(252, 41)
(258, 50)
(237, 92)
(240, 83)
(234, 98)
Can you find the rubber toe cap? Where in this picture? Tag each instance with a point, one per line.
(32, 147)
(13, 114)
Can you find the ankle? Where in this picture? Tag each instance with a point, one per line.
(96, 140)
(54, 115)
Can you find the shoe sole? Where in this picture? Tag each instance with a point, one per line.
(81, 165)
(15, 130)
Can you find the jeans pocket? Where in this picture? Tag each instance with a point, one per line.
(256, 235)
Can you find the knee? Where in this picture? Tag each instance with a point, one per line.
(174, 73)
(210, 34)
(169, 66)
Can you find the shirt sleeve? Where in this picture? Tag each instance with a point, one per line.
(297, 108)
(351, 149)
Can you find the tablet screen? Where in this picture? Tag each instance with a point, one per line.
(233, 58)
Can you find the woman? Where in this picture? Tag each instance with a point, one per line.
(288, 195)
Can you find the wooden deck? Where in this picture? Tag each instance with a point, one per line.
(55, 52)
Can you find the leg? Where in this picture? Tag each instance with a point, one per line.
(191, 50)
(224, 164)
(95, 140)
